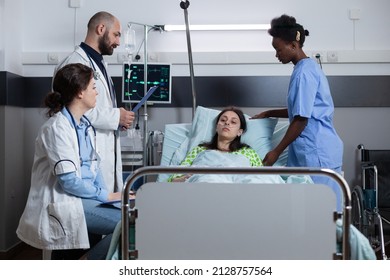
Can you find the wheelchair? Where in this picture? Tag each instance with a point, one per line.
(371, 200)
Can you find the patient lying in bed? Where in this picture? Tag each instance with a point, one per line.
(225, 150)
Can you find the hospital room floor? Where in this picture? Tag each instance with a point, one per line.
(27, 252)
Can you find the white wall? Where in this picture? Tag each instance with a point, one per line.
(355, 41)
(30, 30)
(2, 24)
(329, 24)
(11, 36)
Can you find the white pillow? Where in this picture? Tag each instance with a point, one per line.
(279, 132)
(258, 134)
(174, 136)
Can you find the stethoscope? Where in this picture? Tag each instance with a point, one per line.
(96, 74)
(88, 127)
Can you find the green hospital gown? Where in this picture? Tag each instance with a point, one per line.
(248, 152)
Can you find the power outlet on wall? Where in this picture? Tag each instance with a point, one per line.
(319, 55)
(332, 56)
(123, 57)
(75, 3)
(52, 58)
(354, 14)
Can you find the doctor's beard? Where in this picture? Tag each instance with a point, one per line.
(104, 45)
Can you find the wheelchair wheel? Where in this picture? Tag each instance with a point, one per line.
(358, 212)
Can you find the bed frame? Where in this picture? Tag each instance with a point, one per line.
(230, 221)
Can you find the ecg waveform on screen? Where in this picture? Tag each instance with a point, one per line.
(158, 75)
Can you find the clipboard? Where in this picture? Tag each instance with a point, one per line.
(145, 98)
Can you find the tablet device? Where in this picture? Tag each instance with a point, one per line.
(116, 203)
(145, 98)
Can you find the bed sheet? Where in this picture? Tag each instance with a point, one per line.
(213, 158)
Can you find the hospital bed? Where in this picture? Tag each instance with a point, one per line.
(293, 219)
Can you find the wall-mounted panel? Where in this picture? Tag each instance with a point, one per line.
(11, 89)
(242, 91)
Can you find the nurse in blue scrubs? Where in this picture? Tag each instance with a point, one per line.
(311, 138)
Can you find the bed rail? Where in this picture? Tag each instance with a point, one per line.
(153, 170)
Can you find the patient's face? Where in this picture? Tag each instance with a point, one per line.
(228, 125)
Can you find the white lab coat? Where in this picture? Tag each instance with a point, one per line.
(105, 118)
(53, 219)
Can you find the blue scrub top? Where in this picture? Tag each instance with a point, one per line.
(309, 97)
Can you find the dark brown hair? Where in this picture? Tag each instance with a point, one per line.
(68, 82)
(236, 143)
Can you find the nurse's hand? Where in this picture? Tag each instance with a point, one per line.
(261, 115)
(270, 158)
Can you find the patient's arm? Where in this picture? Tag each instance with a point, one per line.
(188, 160)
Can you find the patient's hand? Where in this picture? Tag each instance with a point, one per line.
(182, 178)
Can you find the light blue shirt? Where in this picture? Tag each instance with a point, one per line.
(309, 97)
(91, 184)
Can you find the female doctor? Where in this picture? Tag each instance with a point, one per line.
(67, 187)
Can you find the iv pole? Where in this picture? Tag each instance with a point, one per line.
(184, 5)
(145, 156)
(145, 126)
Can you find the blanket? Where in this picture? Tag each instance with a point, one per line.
(213, 158)
(360, 246)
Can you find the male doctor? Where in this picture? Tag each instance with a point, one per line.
(103, 36)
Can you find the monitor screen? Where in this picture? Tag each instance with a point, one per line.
(159, 74)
